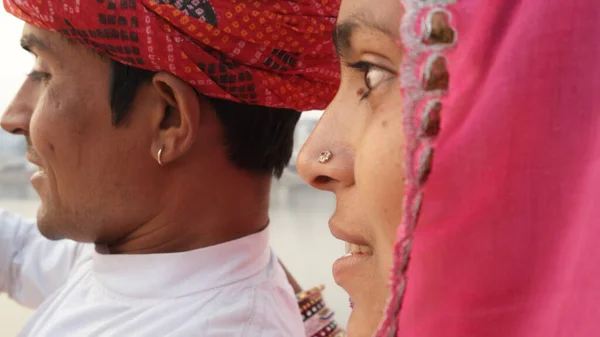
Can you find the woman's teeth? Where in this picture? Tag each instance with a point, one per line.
(352, 249)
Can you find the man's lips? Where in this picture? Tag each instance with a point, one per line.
(32, 158)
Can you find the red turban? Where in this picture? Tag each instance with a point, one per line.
(260, 52)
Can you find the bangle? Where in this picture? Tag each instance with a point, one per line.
(318, 319)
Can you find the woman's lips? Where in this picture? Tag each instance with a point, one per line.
(344, 235)
(351, 263)
(358, 252)
(352, 248)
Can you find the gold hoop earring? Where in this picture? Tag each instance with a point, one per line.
(160, 155)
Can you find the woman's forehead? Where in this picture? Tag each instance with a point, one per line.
(386, 15)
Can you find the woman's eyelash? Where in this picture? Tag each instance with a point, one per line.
(364, 67)
(373, 76)
(361, 65)
(365, 94)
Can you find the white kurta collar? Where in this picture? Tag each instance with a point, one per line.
(161, 276)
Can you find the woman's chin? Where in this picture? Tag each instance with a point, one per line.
(363, 322)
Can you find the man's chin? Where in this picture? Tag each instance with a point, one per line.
(50, 233)
(48, 226)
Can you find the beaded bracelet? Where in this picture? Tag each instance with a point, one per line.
(318, 319)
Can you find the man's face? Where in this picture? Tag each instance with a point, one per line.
(94, 178)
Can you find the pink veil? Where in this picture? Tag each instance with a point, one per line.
(507, 242)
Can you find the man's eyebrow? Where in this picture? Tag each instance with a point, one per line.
(342, 34)
(31, 43)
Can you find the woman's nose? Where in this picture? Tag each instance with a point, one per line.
(325, 161)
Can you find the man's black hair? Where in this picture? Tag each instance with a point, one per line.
(259, 139)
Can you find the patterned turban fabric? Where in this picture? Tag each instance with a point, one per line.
(259, 52)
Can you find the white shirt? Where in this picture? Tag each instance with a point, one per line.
(232, 289)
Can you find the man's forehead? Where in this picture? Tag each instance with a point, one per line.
(39, 38)
(46, 43)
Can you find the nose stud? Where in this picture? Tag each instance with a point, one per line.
(325, 156)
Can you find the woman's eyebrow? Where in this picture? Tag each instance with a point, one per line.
(342, 37)
(342, 34)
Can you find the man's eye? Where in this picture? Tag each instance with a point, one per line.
(38, 76)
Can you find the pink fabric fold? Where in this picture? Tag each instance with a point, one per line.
(508, 239)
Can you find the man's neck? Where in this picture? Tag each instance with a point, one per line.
(194, 216)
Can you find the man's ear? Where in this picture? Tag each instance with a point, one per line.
(176, 118)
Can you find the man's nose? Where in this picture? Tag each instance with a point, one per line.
(17, 116)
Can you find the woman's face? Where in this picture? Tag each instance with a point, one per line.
(362, 129)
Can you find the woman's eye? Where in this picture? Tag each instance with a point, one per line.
(375, 75)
